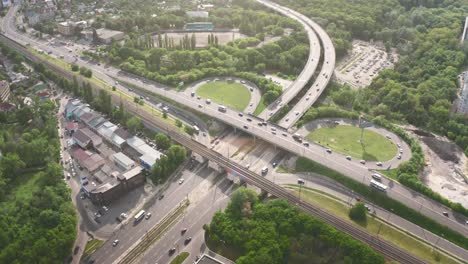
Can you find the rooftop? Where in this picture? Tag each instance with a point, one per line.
(131, 173)
(122, 158)
(107, 33)
(197, 14)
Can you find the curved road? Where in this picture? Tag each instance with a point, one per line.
(307, 72)
(320, 82)
(282, 139)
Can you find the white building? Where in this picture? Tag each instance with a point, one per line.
(122, 161)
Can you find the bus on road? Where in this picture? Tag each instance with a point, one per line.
(140, 215)
(379, 186)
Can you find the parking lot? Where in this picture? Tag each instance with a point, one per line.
(363, 63)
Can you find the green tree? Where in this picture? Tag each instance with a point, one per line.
(358, 213)
(162, 141)
(134, 124)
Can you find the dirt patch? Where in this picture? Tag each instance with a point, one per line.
(446, 167)
(447, 151)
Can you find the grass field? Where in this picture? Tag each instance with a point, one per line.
(180, 258)
(233, 95)
(345, 139)
(92, 246)
(260, 107)
(387, 232)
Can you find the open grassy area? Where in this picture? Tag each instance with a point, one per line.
(399, 238)
(345, 139)
(180, 258)
(26, 185)
(233, 94)
(260, 107)
(92, 246)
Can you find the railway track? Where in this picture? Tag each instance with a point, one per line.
(384, 247)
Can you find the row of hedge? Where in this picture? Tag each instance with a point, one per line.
(380, 199)
(407, 172)
(269, 89)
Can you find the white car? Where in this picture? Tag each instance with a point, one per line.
(181, 180)
(115, 243)
(379, 164)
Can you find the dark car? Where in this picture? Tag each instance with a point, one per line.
(171, 251)
(75, 251)
(97, 220)
(187, 240)
(161, 196)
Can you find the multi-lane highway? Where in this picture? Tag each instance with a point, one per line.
(284, 140)
(307, 72)
(321, 80)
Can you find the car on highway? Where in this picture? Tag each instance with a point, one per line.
(187, 240)
(208, 101)
(171, 251)
(183, 231)
(306, 144)
(105, 208)
(362, 161)
(248, 119)
(329, 150)
(300, 181)
(376, 176)
(115, 243)
(161, 196)
(398, 157)
(246, 127)
(181, 180)
(241, 114)
(348, 157)
(75, 251)
(379, 164)
(148, 215)
(445, 214)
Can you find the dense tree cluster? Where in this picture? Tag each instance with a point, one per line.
(37, 218)
(167, 164)
(276, 232)
(143, 16)
(423, 86)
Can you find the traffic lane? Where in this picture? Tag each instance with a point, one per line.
(129, 233)
(306, 73)
(193, 220)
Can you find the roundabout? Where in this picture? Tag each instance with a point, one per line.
(347, 140)
(233, 93)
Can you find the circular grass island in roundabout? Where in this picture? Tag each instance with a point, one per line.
(230, 94)
(345, 140)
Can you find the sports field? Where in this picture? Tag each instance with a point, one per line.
(345, 139)
(233, 95)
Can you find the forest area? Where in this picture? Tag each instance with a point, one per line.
(276, 232)
(37, 218)
(422, 87)
(158, 57)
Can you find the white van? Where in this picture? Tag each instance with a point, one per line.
(377, 176)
